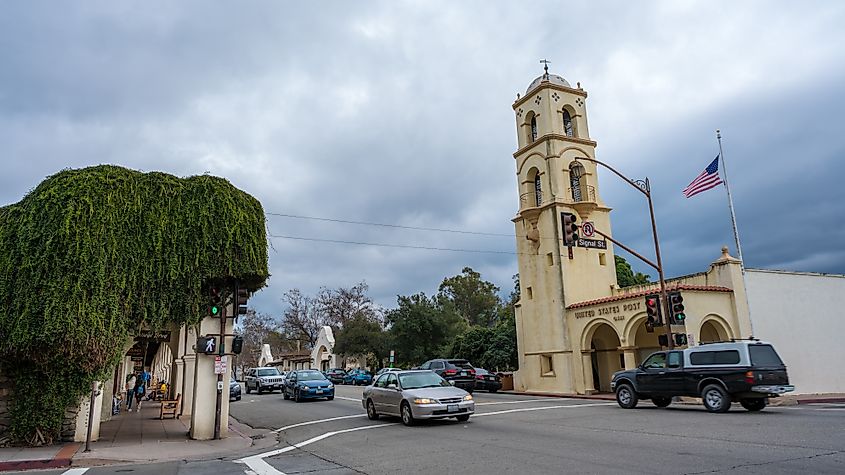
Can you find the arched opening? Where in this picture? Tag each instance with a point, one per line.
(646, 343)
(712, 331)
(534, 196)
(576, 172)
(605, 357)
(568, 125)
(533, 129)
(322, 360)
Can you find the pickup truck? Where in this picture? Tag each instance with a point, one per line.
(746, 371)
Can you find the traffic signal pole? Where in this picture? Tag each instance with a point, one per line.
(644, 187)
(221, 352)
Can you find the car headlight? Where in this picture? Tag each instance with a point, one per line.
(331, 385)
(423, 400)
(468, 397)
(302, 386)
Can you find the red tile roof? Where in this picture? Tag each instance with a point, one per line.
(643, 293)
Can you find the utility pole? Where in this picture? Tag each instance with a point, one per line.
(221, 352)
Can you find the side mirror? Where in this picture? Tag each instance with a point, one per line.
(392, 386)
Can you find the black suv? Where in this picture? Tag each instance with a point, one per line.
(747, 371)
(460, 373)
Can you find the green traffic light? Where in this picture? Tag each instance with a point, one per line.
(680, 317)
(214, 310)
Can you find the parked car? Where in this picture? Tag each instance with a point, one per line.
(307, 384)
(384, 370)
(234, 389)
(358, 376)
(267, 378)
(747, 371)
(485, 380)
(458, 372)
(414, 395)
(335, 375)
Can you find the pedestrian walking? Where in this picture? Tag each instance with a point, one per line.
(130, 391)
(140, 390)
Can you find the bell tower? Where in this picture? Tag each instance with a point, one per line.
(552, 134)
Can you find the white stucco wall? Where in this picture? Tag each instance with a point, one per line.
(802, 315)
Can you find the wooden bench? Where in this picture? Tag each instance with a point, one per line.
(170, 407)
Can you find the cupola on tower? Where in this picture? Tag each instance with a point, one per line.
(552, 134)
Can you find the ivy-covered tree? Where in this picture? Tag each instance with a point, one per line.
(92, 255)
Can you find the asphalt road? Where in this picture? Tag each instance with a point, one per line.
(519, 434)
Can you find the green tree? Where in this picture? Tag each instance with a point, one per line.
(474, 299)
(625, 275)
(421, 329)
(362, 336)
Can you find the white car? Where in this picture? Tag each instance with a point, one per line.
(414, 395)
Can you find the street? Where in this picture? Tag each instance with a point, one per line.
(524, 434)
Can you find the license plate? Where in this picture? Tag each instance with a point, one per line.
(490, 378)
(452, 408)
(319, 391)
(463, 373)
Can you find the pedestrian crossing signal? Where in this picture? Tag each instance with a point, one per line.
(663, 340)
(680, 339)
(207, 344)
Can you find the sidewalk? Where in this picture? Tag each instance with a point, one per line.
(137, 437)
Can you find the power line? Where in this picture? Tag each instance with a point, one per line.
(366, 223)
(401, 246)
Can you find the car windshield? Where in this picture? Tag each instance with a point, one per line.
(310, 376)
(268, 372)
(421, 380)
(481, 371)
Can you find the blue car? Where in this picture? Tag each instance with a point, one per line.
(358, 376)
(307, 384)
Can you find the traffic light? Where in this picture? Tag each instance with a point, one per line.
(680, 339)
(663, 340)
(570, 229)
(237, 344)
(216, 304)
(654, 315)
(676, 308)
(241, 297)
(207, 344)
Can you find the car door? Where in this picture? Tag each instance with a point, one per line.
(377, 393)
(290, 383)
(672, 382)
(392, 395)
(652, 369)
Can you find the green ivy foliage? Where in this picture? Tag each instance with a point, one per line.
(91, 255)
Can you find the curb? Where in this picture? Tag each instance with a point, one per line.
(820, 400)
(62, 459)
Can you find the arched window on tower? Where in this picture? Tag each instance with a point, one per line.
(538, 190)
(568, 128)
(533, 128)
(576, 172)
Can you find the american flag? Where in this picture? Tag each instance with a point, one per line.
(709, 178)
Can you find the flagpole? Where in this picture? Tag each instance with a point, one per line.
(730, 201)
(736, 232)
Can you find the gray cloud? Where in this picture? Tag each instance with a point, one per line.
(399, 112)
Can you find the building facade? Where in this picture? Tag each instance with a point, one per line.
(575, 326)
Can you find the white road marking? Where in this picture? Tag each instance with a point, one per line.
(510, 402)
(543, 408)
(318, 421)
(261, 467)
(75, 471)
(829, 409)
(347, 398)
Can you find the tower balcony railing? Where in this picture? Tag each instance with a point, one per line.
(584, 193)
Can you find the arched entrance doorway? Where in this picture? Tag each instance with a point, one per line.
(322, 360)
(605, 357)
(645, 343)
(713, 330)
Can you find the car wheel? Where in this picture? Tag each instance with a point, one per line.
(285, 394)
(462, 418)
(407, 415)
(715, 399)
(371, 410)
(247, 388)
(296, 396)
(626, 396)
(260, 390)
(754, 404)
(237, 398)
(661, 401)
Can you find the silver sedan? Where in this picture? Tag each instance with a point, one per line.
(415, 395)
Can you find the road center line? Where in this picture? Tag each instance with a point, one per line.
(543, 408)
(510, 402)
(75, 471)
(347, 398)
(318, 421)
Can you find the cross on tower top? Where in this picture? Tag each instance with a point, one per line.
(545, 66)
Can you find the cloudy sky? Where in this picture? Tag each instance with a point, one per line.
(400, 113)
